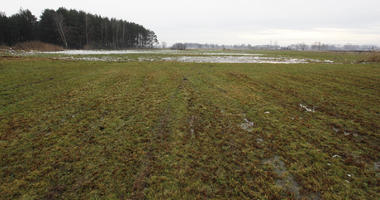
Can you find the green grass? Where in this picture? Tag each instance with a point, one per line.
(166, 130)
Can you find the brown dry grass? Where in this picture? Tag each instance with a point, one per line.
(373, 57)
(3, 47)
(37, 45)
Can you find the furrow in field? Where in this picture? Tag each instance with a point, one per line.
(159, 143)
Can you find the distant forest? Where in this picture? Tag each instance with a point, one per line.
(74, 29)
(317, 46)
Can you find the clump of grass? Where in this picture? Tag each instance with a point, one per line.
(373, 57)
(37, 45)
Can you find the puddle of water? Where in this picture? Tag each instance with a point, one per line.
(286, 180)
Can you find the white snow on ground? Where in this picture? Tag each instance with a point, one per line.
(181, 56)
(307, 108)
(109, 52)
(106, 59)
(199, 59)
(237, 59)
(230, 54)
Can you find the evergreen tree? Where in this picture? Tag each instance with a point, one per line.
(3, 28)
(75, 29)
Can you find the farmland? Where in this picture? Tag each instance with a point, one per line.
(155, 129)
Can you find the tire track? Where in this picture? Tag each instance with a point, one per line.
(157, 144)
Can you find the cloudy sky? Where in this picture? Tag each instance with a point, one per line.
(235, 21)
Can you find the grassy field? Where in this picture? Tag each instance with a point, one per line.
(169, 130)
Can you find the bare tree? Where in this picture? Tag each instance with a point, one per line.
(86, 22)
(58, 18)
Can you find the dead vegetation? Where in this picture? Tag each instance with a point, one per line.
(372, 57)
(37, 46)
(4, 47)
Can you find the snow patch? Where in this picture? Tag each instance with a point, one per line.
(173, 52)
(247, 125)
(336, 156)
(110, 52)
(307, 108)
(239, 59)
(233, 59)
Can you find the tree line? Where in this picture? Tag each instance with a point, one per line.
(318, 46)
(74, 30)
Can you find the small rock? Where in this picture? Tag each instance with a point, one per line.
(267, 112)
(347, 133)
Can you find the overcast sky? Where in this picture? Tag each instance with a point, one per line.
(235, 21)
